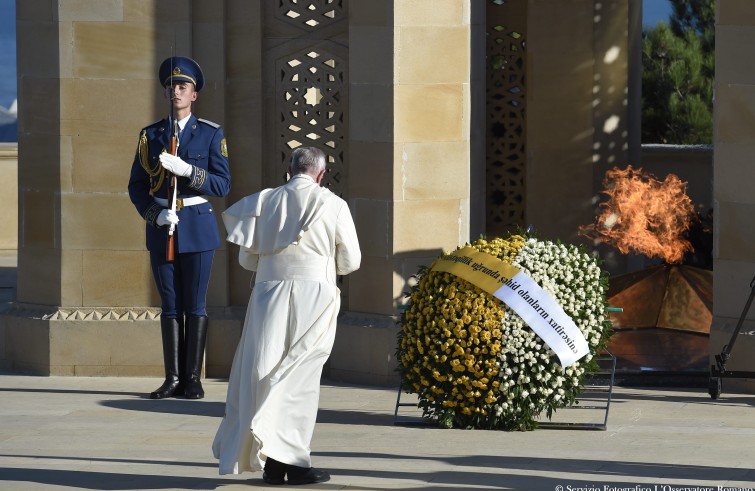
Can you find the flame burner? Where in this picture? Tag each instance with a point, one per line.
(644, 215)
(665, 324)
(667, 310)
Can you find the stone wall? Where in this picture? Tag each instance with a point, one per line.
(409, 144)
(733, 178)
(577, 125)
(87, 82)
(414, 177)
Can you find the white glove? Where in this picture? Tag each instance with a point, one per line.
(175, 165)
(167, 217)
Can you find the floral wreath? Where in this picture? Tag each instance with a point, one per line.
(474, 363)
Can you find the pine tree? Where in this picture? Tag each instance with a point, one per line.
(677, 79)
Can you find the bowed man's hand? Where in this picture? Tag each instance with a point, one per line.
(167, 217)
(175, 165)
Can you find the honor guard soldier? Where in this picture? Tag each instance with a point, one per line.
(195, 152)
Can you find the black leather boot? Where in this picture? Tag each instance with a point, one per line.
(181, 356)
(196, 337)
(172, 334)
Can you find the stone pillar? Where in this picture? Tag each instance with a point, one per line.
(733, 175)
(634, 84)
(409, 148)
(566, 99)
(577, 115)
(9, 210)
(87, 84)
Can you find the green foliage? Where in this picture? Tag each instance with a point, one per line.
(677, 80)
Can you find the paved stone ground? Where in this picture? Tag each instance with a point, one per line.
(60, 433)
(103, 434)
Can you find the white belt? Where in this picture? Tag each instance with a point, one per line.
(278, 267)
(181, 202)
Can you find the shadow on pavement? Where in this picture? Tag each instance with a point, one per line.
(71, 391)
(217, 409)
(533, 465)
(189, 407)
(684, 396)
(524, 476)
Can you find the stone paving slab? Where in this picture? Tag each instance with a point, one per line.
(60, 433)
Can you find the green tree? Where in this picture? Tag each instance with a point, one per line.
(677, 79)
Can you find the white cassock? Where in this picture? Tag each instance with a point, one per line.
(297, 238)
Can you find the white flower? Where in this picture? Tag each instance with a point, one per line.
(530, 376)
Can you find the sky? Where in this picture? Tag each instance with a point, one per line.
(654, 11)
(7, 52)
(8, 126)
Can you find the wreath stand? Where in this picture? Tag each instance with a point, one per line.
(594, 397)
(591, 396)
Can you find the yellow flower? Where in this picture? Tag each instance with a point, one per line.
(452, 337)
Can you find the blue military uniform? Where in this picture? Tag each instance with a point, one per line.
(202, 145)
(183, 282)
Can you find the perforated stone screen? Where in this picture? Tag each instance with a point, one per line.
(309, 88)
(505, 115)
(307, 52)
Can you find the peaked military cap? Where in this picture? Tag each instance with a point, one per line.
(181, 69)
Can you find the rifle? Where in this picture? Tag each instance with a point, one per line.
(170, 249)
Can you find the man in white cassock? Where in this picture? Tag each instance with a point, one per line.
(297, 238)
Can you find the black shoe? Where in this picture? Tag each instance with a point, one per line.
(169, 388)
(275, 481)
(300, 475)
(193, 389)
(274, 472)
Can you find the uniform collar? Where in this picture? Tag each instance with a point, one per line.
(182, 122)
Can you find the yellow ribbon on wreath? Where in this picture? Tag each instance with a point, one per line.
(523, 295)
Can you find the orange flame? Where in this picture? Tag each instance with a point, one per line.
(644, 215)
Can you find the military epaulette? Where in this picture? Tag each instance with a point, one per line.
(156, 123)
(214, 125)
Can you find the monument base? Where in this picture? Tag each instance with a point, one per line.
(126, 342)
(365, 350)
(103, 342)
